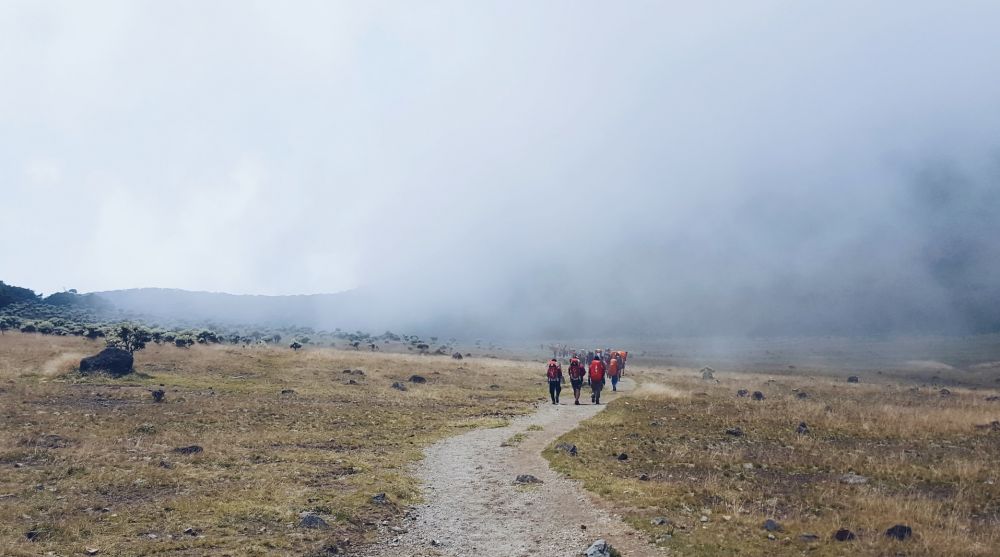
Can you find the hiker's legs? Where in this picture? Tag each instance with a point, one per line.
(596, 395)
(558, 391)
(553, 390)
(614, 382)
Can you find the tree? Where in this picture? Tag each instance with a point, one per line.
(129, 337)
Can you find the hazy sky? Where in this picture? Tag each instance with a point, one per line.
(740, 158)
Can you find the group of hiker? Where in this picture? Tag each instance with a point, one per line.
(601, 364)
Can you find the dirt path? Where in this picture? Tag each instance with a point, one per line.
(473, 507)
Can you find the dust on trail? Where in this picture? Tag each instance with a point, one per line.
(473, 507)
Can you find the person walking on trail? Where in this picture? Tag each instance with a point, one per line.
(555, 376)
(614, 373)
(596, 377)
(576, 373)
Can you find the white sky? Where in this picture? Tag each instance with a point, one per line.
(297, 147)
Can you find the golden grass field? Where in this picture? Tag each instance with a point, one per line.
(928, 464)
(89, 462)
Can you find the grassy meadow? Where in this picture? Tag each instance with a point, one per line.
(929, 460)
(91, 463)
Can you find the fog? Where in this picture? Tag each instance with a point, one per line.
(558, 169)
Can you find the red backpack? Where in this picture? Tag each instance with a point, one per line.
(554, 371)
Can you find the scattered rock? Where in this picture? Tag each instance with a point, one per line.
(600, 548)
(398, 386)
(494, 387)
(313, 521)
(707, 373)
(703, 519)
(993, 398)
(288, 391)
(808, 537)
(380, 499)
(113, 360)
(457, 355)
(567, 447)
(899, 532)
(851, 478)
(527, 479)
(771, 526)
(191, 531)
(643, 477)
(191, 449)
(91, 550)
(757, 395)
(347, 372)
(358, 372)
(48, 441)
(622, 457)
(418, 379)
(352, 382)
(801, 395)
(742, 393)
(844, 535)
(660, 521)
(735, 432)
(166, 464)
(944, 392)
(854, 379)
(803, 429)
(35, 534)
(158, 395)
(994, 425)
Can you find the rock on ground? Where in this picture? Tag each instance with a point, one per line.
(112, 360)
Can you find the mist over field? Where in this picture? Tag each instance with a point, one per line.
(556, 169)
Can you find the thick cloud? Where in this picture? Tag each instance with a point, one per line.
(557, 167)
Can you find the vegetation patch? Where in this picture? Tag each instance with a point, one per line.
(693, 487)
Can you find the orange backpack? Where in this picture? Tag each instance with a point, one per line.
(596, 371)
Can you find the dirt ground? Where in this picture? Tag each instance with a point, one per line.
(473, 506)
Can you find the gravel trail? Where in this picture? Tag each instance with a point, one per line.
(473, 507)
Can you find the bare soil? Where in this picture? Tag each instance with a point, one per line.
(473, 506)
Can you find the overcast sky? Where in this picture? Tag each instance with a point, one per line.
(722, 152)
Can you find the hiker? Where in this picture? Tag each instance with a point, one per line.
(596, 377)
(555, 376)
(613, 372)
(576, 373)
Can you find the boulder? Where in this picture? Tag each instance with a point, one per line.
(844, 535)
(622, 457)
(899, 532)
(803, 429)
(757, 395)
(707, 373)
(735, 432)
(742, 393)
(158, 395)
(660, 521)
(380, 499)
(600, 548)
(854, 379)
(851, 478)
(312, 521)
(418, 379)
(190, 449)
(457, 355)
(112, 360)
(527, 479)
(801, 395)
(567, 447)
(945, 392)
(398, 386)
(771, 526)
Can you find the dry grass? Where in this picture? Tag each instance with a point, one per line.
(90, 461)
(927, 464)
